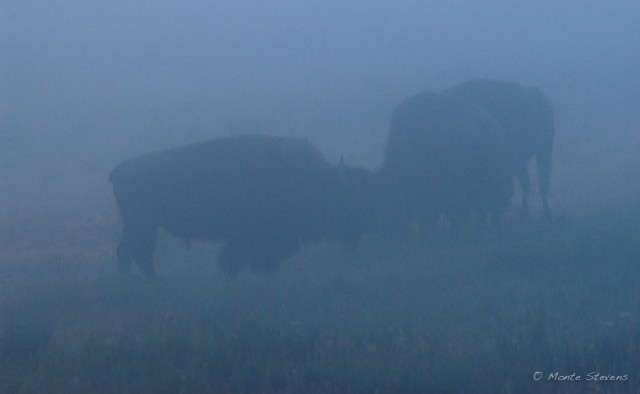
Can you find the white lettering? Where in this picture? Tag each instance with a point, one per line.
(572, 378)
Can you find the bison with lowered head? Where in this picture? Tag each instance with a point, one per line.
(262, 196)
(527, 118)
(444, 156)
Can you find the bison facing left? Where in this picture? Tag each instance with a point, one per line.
(262, 196)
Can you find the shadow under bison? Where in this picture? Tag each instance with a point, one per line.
(263, 196)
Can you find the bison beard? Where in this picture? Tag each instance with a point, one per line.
(262, 196)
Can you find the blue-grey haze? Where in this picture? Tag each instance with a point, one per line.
(85, 84)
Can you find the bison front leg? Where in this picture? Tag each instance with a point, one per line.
(428, 222)
(479, 226)
(137, 244)
(543, 160)
(125, 258)
(522, 173)
(496, 223)
(233, 257)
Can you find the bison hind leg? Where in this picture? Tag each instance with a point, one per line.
(265, 265)
(270, 252)
(125, 259)
(232, 258)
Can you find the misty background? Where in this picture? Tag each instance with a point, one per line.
(86, 84)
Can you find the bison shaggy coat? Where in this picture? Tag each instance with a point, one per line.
(443, 156)
(527, 118)
(262, 196)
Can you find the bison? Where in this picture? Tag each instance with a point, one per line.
(443, 156)
(527, 118)
(262, 196)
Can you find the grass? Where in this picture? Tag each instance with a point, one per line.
(559, 297)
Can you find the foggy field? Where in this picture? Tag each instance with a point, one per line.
(551, 297)
(86, 84)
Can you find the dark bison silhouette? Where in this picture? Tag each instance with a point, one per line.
(527, 118)
(443, 156)
(263, 196)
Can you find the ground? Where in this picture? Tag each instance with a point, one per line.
(558, 298)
